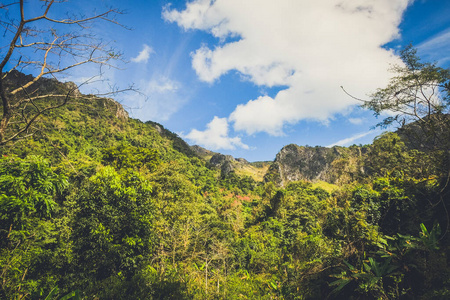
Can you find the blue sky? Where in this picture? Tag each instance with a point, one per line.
(248, 77)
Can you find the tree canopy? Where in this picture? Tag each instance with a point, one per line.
(105, 207)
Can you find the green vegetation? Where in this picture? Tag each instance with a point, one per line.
(99, 206)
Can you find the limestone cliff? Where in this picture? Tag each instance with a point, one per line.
(335, 165)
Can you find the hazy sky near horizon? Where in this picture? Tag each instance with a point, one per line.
(247, 77)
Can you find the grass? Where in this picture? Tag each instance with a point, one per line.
(256, 172)
(329, 187)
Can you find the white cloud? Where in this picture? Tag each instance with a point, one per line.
(216, 136)
(349, 141)
(436, 48)
(144, 55)
(161, 85)
(312, 48)
(356, 121)
(93, 80)
(440, 40)
(161, 98)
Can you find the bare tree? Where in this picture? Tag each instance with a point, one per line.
(35, 41)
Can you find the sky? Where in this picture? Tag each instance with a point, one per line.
(246, 78)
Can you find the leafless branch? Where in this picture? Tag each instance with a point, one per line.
(35, 43)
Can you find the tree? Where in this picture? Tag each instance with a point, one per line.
(36, 41)
(418, 90)
(28, 190)
(418, 99)
(418, 95)
(113, 231)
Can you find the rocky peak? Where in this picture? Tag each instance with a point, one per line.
(202, 152)
(224, 162)
(295, 163)
(242, 160)
(219, 159)
(120, 113)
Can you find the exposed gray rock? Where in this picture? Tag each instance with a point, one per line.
(334, 165)
(217, 160)
(71, 86)
(226, 168)
(224, 162)
(121, 113)
(202, 152)
(242, 160)
(159, 129)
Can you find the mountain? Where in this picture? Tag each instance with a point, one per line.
(227, 164)
(428, 133)
(202, 152)
(336, 165)
(105, 206)
(76, 134)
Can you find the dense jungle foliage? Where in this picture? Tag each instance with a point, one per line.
(99, 206)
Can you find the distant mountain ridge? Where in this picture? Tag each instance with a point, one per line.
(94, 118)
(227, 164)
(336, 165)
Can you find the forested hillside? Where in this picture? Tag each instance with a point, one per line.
(97, 205)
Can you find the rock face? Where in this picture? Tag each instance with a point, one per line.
(242, 160)
(228, 164)
(334, 165)
(224, 162)
(202, 152)
(121, 113)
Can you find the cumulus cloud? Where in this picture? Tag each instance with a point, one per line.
(144, 55)
(311, 48)
(215, 136)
